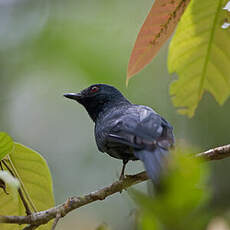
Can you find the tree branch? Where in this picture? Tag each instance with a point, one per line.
(43, 217)
(58, 217)
(215, 154)
(30, 227)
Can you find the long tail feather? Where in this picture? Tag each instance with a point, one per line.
(154, 162)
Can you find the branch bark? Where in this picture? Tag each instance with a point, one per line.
(43, 217)
(215, 154)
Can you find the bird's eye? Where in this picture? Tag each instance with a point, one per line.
(94, 89)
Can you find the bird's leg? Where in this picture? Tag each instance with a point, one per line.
(122, 176)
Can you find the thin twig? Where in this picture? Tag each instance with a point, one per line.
(28, 212)
(1, 166)
(2, 183)
(58, 217)
(22, 185)
(215, 154)
(43, 217)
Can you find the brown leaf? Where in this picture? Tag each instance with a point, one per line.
(157, 28)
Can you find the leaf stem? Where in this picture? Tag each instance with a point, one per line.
(28, 212)
(22, 185)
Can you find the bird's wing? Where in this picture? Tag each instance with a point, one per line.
(147, 133)
(140, 127)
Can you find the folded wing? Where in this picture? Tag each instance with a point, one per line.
(148, 134)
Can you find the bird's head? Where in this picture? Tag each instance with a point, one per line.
(97, 98)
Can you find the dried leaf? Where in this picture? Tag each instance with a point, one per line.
(157, 28)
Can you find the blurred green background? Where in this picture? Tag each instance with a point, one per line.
(48, 48)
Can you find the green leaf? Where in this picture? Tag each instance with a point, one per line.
(200, 54)
(12, 182)
(6, 145)
(34, 176)
(183, 195)
(103, 226)
(148, 222)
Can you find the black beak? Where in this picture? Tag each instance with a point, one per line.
(74, 96)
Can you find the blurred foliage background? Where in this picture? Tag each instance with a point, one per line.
(50, 47)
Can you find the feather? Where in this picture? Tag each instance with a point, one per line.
(154, 162)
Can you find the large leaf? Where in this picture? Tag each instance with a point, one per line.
(200, 54)
(35, 179)
(158, 26)
(6, 145)
(6, 178)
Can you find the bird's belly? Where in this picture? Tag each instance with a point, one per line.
(122, 152)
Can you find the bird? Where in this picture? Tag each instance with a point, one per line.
(127, 131)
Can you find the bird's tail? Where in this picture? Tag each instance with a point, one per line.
(154, 162)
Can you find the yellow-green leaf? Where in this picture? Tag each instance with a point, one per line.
(184, 192)
(6, 144)
(148, 222)
(35, 178)
(103, 226)
(200, 54)
(12, 182)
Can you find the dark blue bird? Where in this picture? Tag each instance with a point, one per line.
(127, 131)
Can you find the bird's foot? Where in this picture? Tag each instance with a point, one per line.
(129, 176)
(122, 177)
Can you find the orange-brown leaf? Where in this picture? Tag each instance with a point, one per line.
(157, 28)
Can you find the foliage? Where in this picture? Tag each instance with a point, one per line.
(13, 183)
(199, 54)
(180, 205)
(6, 144)
(103, 226)
(157, 28)
(32, 171)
